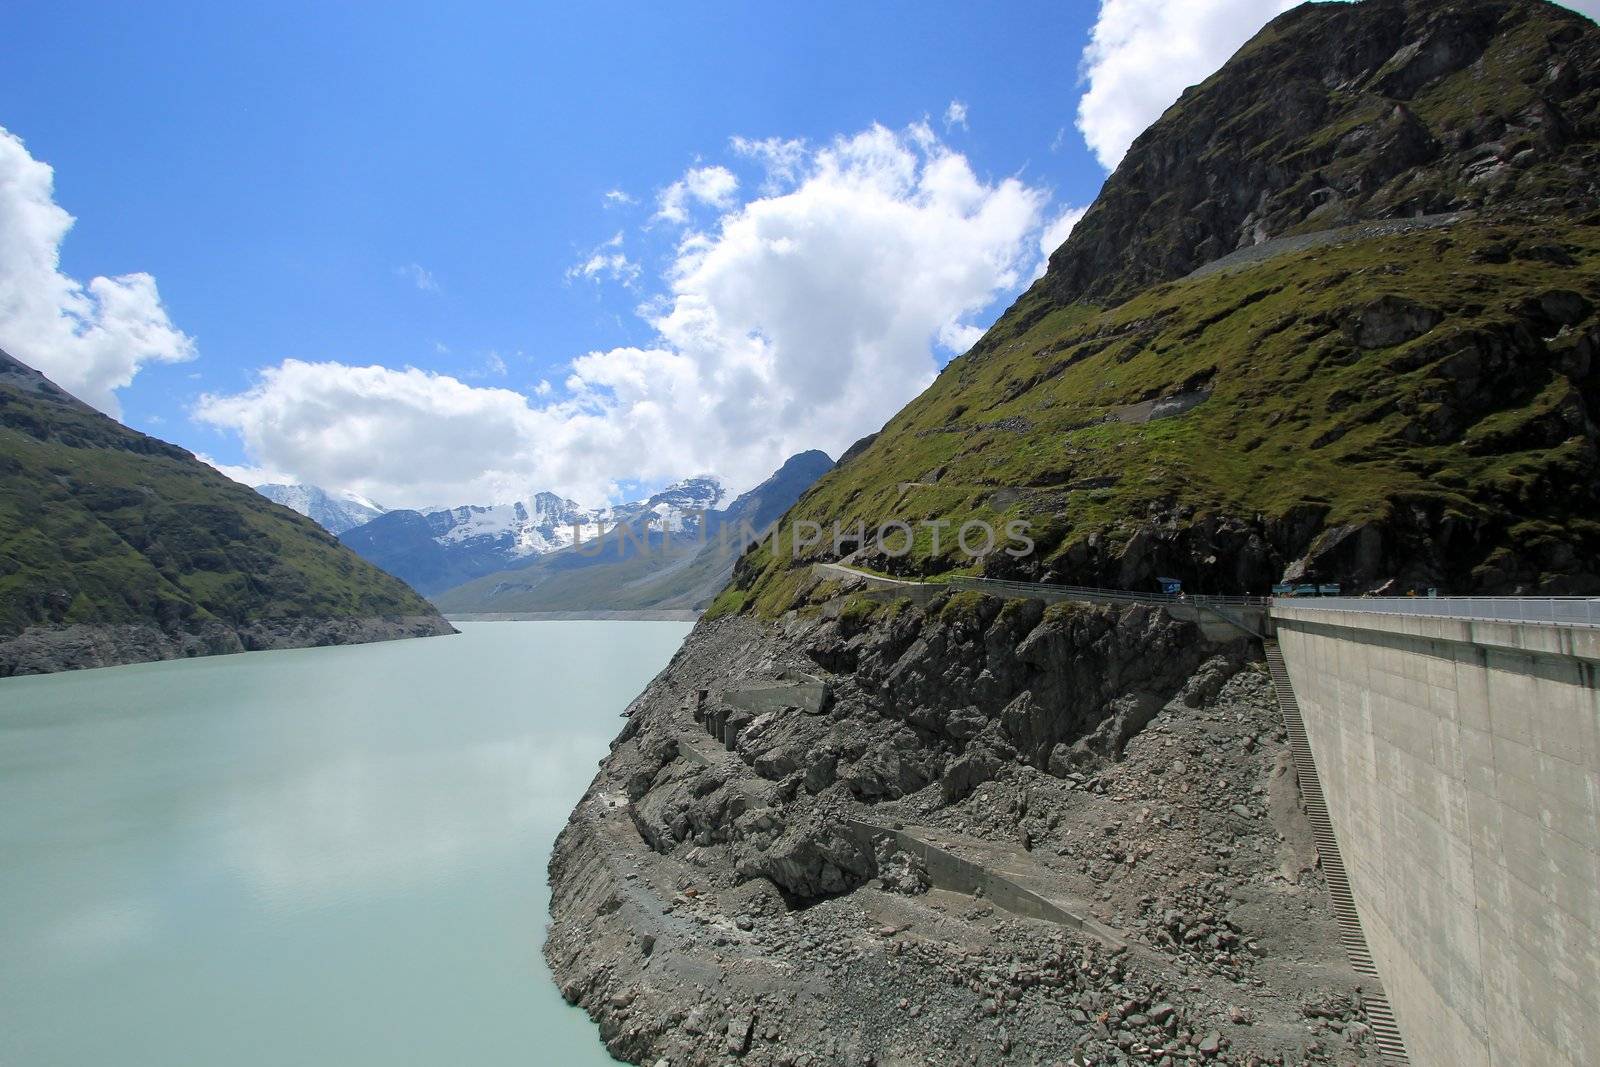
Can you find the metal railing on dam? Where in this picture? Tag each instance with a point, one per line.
(1245, 611)
(1557, 611)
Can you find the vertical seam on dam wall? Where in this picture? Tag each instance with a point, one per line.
(1379, 1012)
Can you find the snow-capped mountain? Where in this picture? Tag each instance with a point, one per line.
(335, 512)
(686, 573)
(437, 548)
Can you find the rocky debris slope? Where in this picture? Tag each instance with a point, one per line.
(849, 879)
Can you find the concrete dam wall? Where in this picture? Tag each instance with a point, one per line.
(1460, 760)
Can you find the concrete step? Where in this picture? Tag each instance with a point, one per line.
(1385, 1031)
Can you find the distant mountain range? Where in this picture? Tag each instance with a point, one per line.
(689, 557)
(439, 548)
(335, 513)
(116, 547)
(548, 553)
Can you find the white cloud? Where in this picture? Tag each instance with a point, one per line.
(618, 198)
(245, 474)
(607, 261)
(713, 186)
(1055, 235)
(90, 339)
(798, 320)
(955, 115)
(782, 158)
(419, 276)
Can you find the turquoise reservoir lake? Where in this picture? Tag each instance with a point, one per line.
(320, 856)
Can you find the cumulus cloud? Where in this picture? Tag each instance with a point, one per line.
(713, 186)
(783, 159)
(801, 319)
(617, 198)
(90, 339)
(955, 115)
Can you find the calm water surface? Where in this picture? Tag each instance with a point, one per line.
(323, 856)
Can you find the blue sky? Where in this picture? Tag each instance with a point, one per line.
(361, 189)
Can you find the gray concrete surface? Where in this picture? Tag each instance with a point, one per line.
(1461, 764)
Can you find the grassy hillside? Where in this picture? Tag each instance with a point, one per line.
(1331, 319)
(101, 524)
(1417, 406)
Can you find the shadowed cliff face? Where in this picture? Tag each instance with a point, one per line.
(1341, 112)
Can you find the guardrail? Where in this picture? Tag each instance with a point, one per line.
(1092, 593)
(1556, 610)
(1562, 611)
(1060, 592)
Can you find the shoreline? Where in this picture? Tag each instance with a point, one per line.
(640, 615)
(85, 646)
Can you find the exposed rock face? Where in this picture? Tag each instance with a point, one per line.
(1338, 113)
(45, 649)
(1063, 833)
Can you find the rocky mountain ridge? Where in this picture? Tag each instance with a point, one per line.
(1404, 108)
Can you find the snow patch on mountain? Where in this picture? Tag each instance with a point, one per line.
(334, 512)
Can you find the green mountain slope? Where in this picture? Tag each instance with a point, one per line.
(1384, 404)
(115, 546)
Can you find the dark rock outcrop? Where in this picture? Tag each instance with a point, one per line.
(1338, 113)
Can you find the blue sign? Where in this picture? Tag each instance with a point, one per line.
(1170, 586)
